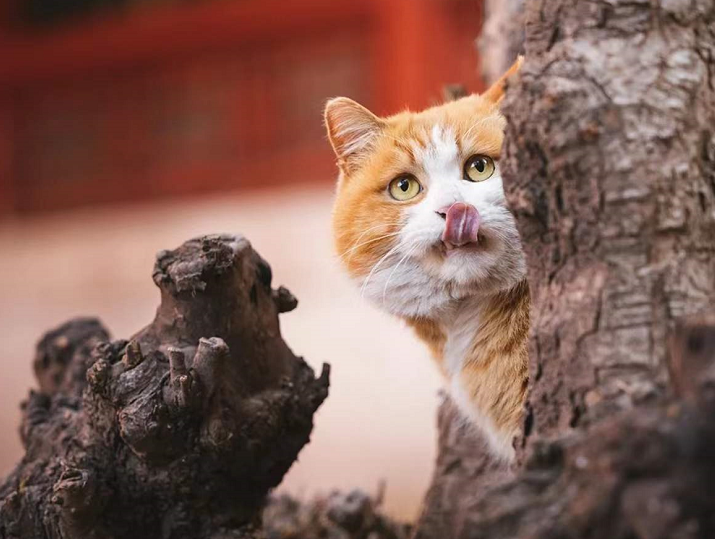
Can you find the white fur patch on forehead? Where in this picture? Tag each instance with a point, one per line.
(440, 154)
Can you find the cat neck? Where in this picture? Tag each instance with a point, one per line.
(490, 303)
(494, 323)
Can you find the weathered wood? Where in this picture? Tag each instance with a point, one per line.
(609, 166)
(178, 432)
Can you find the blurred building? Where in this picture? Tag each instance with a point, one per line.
(117, 100)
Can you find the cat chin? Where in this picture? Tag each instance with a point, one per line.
(473, 270)
(423, 292)
(407, 292)
(429, 282)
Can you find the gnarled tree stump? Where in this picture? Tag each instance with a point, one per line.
(181, 430)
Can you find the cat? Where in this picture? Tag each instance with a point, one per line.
(420, 221)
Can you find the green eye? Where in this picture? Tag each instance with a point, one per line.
(404, 187)
(478, 168)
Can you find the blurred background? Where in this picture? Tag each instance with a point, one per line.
(129, 126)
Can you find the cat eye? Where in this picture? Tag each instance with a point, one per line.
(478, 168)
(404, 187)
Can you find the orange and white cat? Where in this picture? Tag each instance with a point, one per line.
(420, 221)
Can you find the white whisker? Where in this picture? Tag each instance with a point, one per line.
(409, 252)
(374, 268)
(368, 230)
(354, 247)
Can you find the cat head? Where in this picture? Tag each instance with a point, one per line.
(420, 217)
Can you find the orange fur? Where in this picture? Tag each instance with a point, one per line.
(481, 327)
(496, 373)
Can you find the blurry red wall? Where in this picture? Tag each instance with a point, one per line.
(171, 98)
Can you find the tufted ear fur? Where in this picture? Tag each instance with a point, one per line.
(496, 92)
(352, 130)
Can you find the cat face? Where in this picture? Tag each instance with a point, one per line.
(420, 217)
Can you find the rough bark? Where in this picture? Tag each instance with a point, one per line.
(609, 166)
(354, 515)
(180, 431)
(464, 471)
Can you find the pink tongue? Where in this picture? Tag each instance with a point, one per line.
(461, 225)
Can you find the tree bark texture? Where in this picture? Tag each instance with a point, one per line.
(463, 472)
(609, 167)
(181, 430)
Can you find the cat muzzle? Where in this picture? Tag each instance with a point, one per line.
(461, 225)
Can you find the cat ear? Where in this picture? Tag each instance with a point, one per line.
(352, 130)
(496, 92)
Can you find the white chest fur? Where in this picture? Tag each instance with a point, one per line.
(460, 327)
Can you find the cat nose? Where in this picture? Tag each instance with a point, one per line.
(444, 210)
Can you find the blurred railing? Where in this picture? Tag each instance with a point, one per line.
(179, 98)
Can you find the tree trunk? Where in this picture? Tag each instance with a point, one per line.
(178, 432)
(609, 167)
(464, 472)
